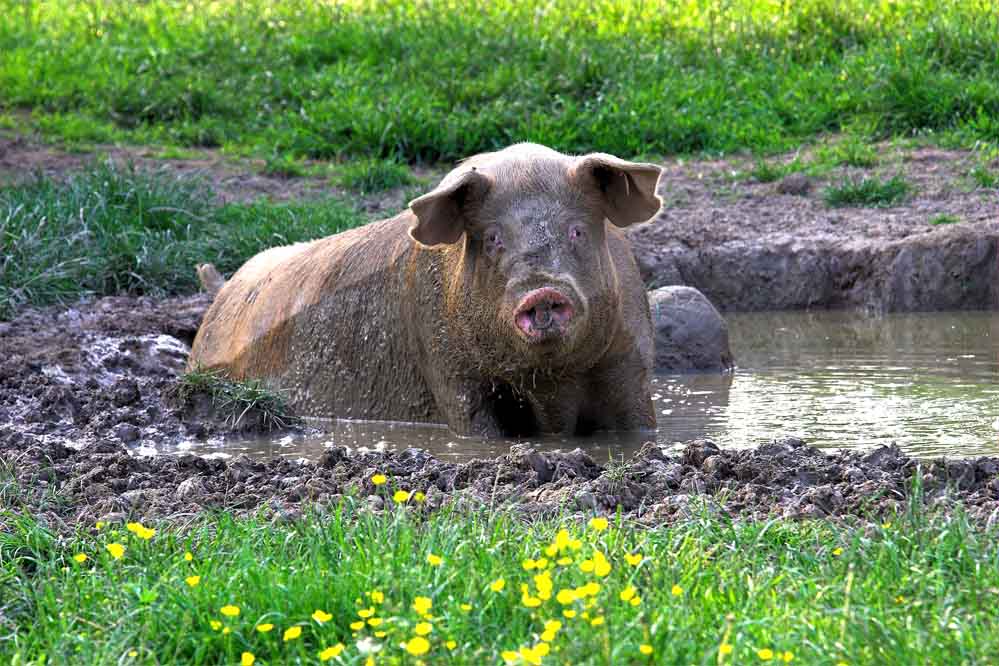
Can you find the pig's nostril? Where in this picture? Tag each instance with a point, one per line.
(542, 311)
(543, 317)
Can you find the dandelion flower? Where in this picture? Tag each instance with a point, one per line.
(634, 559)
(766, 654)
(597, 621)
(265, 627)
(330, 652)
(787, 657)
(565, 597)
(435, 560)
(528, 564)
(230, 611)
(569, 613)
(635, 600)
(465, 607)
(450, 645)
(598, 524)
(357, 626)
(510, 657)
(497, 585)
(116, 550)
(378, 479)
(417, 645)
(676, 590)
(400, 497)
(377, 597)
(374, 621)
(80, 558)
(321, 616)
(564, 561)
(215, 625)
(247, 659)
(837, 552)
(725, 649)
(380, 634)
(886, 525)
(645, 649)
(419, 497)
(188, 556)
(192, 580)
(99, 525)
(627, 593)
(291, 633)
(422, 605)
(133, 653)
(423, 628)
(366, 612)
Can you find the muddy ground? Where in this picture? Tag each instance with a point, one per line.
(83, 389)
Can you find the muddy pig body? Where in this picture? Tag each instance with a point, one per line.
(506, 301)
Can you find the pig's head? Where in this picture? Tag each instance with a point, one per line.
(527, 227)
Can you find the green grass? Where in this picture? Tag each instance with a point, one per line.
(438, 81)
(922, 590)
(944, 218)
(871, 192)
(245, 405)
(113, 230)
(982, 176)
(374, 175)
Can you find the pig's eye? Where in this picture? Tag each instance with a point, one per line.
(576, 232)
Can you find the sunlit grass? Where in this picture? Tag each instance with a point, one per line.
(477, 588)
(433, 80)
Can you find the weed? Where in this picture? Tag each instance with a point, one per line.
(244, 405)
(944, 218)
(984, 177)
(871, 192)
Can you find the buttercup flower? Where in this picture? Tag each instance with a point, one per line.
(247, 659)
(400, 496)
(435, 560)
(330, 652)
(422, 605)
(423, 628)
(676, 590)
(265, 627)
(80, 558)
(497, 585)
(598, 524)
(116, 550)
(188, 556)
(192, 580)
(633, 559)
(291, 633)
(377, 597)
(378, 479)
(417, 645)
(645, 649)
(725, 649)
(321, 616)
(766, 654)
(230, 611)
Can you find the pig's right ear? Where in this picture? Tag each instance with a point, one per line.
(442, 215)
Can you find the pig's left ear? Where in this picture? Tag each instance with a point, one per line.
(443, 215)
(627, 190)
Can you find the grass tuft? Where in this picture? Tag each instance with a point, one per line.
(984, 177)
(373, 175)
(944, 218)
(870, 192)
(110, 229)
(242, 406)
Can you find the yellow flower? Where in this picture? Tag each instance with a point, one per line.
(510, 657)
(230, 611)
(564, 561)
(133, 653)
(291, 633)
(837, 551)
(215, 624)
(417, 645)
(551, 551)
(419, 496)
(633, 559)
(435, 560)
(400, 497)
(586, 566)
(330, 652)
(188, 556)
(116, 550)
(377, 597)
(787, 657)
(423, 628)
(450, 645)
(422, 605)
(99, 525)
(192, 580)
(598, 524)
(133, 527)
(378, 479)
(725, 649)
(370, 661)
(627, 593)
(145, 533)
(529, 601)
(227, 630)
(528, 564)
(375, 621)
(569, 613)
(531, 656)
(543, 582)
(465, 607)
(597, 621)
(676, 590)
(635, 600)
(357, 626)
(265, 627)
(321, 616)
(541, 564)
(366, 612)
(886, 525)
(542, 649)
(247, 659)
(80, 558)
(380, 634)
(900, 599)
(645, 649)
(497, 585)
(565, 597)
(766, 654)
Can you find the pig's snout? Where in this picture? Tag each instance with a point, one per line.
(543, 313)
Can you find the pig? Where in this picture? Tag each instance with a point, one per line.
(505, 302)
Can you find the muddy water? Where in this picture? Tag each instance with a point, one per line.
(928, 382)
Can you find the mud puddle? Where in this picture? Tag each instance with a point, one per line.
(926, 382)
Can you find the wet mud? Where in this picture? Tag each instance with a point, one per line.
(85, 390)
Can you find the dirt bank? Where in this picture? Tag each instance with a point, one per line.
(83, 389)
(749, 245)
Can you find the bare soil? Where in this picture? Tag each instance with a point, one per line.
(83, 389)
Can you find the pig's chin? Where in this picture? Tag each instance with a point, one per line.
(545, 318)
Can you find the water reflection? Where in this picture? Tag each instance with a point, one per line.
(929, 382)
